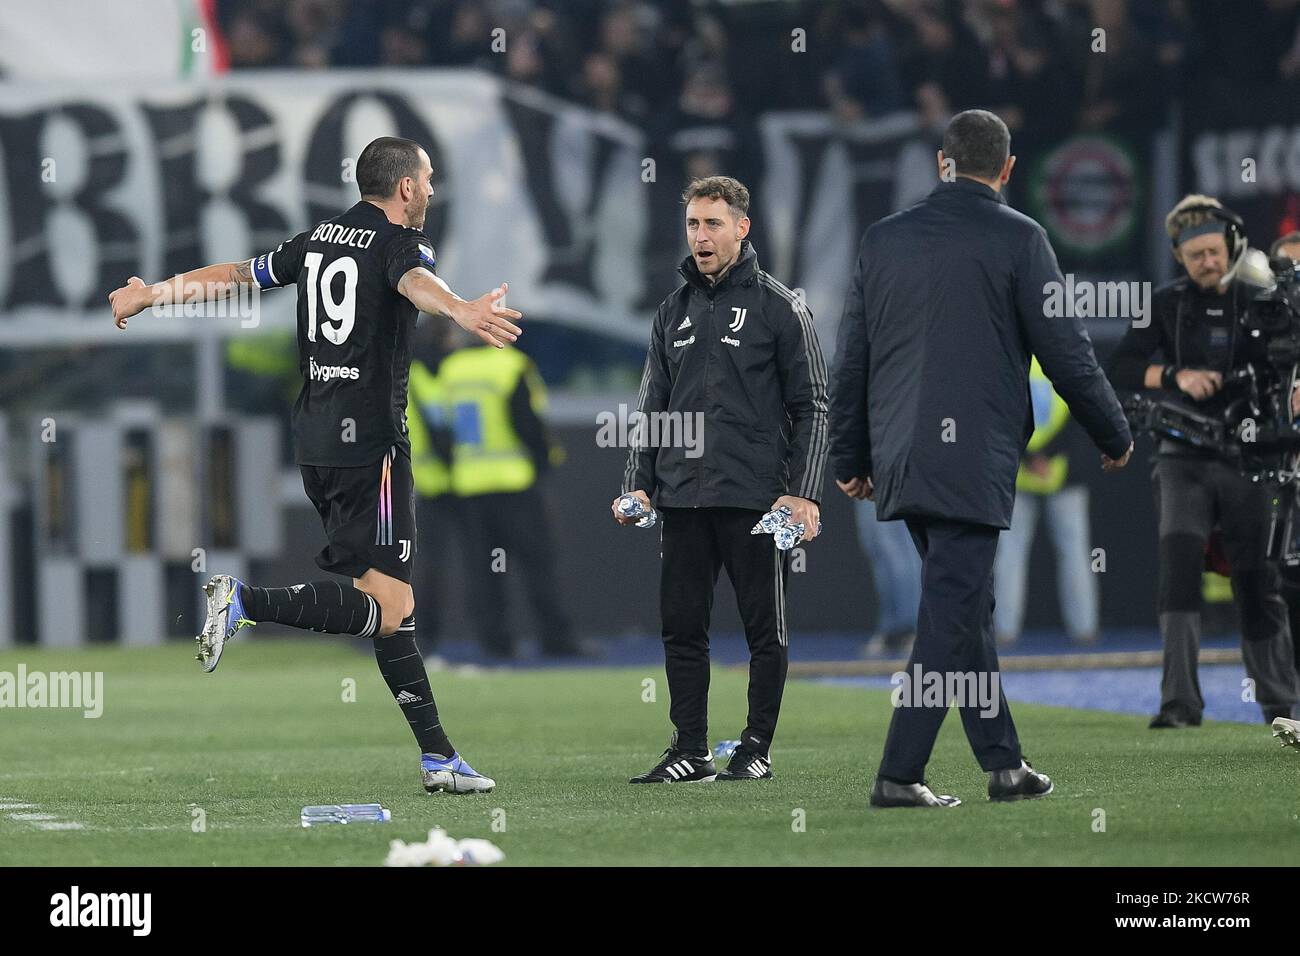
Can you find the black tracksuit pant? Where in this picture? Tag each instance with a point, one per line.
(697, 543)
(954, 635)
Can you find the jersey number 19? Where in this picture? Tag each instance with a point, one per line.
(342, 312)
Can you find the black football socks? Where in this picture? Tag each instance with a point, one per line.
(331, 607)
(403, 669)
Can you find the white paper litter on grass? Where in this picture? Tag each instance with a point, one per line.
(442, 850)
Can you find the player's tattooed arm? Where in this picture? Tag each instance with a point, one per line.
(487, 317)
(198, 285)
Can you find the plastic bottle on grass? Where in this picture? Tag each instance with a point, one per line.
(345, 813)
(724, 749)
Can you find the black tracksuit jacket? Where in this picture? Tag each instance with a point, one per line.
(745, 354)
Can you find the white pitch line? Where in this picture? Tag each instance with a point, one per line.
(26, 774)
(41, 821)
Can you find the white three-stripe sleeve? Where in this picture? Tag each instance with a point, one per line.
(652, 396)
(804, 382)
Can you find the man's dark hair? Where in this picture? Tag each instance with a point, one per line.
(384, 163)
(1286, 240)
(978, 143)
(731, 191)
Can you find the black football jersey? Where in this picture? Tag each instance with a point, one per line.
(354, 333)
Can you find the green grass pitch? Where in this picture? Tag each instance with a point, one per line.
(270, 732)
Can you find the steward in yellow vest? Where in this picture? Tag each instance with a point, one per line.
(495, 399)
(1046, 465)
(499, 448)
(427, 425)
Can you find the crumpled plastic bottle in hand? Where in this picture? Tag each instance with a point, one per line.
(630, 506)
(777, 524)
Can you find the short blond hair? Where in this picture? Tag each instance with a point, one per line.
(1186, 215)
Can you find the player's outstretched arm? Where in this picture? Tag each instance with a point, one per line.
(198, 285)
(485, 316)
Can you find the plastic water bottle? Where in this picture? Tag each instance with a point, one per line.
(787, 537)
(630, 506)
(772, 522)
(725, 749)
(777, 524)
(345, 813)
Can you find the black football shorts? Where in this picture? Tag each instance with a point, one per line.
(369, 516)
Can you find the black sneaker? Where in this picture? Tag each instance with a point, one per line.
(678, 766)
(1023, 783)
(747, 765)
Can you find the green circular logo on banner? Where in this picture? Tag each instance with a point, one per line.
(1085, 193)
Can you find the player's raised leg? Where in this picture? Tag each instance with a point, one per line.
(442, 769)
(376, 606)
(329, 607)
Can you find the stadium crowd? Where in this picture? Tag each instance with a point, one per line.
(1029, 59)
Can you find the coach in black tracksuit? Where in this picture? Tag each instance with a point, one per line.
(735, 350)
(930, 414)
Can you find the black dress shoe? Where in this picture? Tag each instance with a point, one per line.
(1023, 783)
(1175, 719)
(886, 793)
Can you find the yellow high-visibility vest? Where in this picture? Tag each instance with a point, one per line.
(267, 353)
(487, 454)
(1051, 415)
(426, 401)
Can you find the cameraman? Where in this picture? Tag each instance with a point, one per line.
(1195, 326)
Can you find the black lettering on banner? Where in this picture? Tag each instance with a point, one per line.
(873, 180)
(569, 258)
(811, 151)
(175, 134)
(116, 242)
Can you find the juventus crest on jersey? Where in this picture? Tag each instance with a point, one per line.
(354, 333)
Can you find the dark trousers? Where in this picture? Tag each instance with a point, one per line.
(1192, 496)
(697, 543)
(519, 524)
(954, 635)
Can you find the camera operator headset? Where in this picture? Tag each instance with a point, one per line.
(1194, 325)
